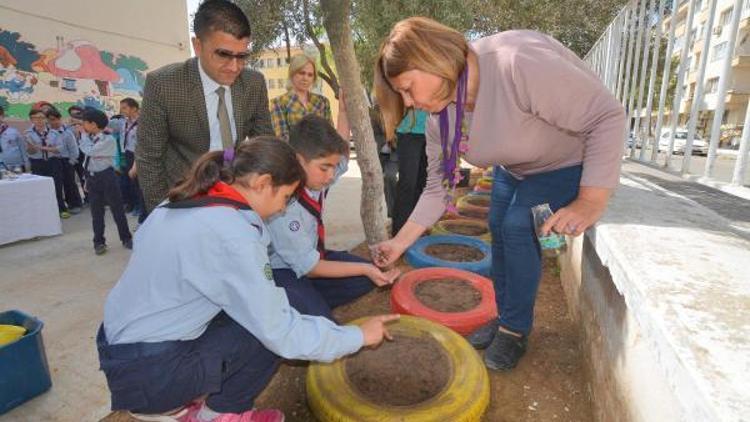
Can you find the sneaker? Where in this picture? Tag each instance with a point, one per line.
(482, 337)
(505, 351)
(64, 215)
(266, 415)
(100, 249)
(128, 244)
(182, 415)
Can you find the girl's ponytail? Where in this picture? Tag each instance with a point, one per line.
(259, 155)
(205, 173)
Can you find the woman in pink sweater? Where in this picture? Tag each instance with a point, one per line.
(527, 106)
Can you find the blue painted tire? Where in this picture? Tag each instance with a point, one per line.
(418, 258)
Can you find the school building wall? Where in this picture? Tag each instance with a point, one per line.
(86, 52)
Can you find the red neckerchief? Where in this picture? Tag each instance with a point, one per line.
(315, 208)
(223, 190)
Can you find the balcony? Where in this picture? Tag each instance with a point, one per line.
(741, 61)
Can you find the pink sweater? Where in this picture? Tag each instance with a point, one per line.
(539, 108)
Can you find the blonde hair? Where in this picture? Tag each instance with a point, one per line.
(417, 43)
(296, 64)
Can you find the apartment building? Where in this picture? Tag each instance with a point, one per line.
(738, 86)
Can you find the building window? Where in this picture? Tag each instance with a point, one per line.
(712, 85)
(725, 17)
(281, 83)
(260, 64)
(279, 62)
(269, 63)
(719, 51)
(272, 84)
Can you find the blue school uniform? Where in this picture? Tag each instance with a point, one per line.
(296, 249)
(45, 163)
(197, 312)
(68, 158)
(12, 146)
(102, 187)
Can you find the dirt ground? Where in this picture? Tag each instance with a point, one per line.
(549, 384)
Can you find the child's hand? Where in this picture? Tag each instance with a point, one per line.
(381, 278)
(373, 329)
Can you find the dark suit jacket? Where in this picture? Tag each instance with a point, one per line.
(173, 126)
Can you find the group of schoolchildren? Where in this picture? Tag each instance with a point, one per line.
(231, 274)
(85, 149)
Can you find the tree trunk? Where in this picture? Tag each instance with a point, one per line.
(336, 22)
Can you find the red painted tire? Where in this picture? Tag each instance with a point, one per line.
(404, 300)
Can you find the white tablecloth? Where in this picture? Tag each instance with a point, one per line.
(28, 208)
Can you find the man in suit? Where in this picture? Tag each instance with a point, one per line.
(209, 102)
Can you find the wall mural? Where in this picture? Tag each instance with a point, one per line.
(72, 72)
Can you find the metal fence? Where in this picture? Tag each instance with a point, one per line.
(629, 57)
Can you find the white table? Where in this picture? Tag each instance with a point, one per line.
(28, 208)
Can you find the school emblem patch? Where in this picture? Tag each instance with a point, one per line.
(268, 271)
(294, 225)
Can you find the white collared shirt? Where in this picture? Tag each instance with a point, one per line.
(212, 108)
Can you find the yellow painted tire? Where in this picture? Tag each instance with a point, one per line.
(485, 183)
(474, 206)
(444, 227)
(464, 399)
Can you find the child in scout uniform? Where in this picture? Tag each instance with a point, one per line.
(75, 112)
(316, 279)
(43, 151)
(68, 157)
(130, 109)
(101, 181)
(195, 327)
(12, 145)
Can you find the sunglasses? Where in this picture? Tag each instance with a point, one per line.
(226, 56)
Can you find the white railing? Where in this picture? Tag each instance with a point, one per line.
(627, 56)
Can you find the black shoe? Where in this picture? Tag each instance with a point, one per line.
(505, 351)
(482, 337)
(100, 249)
(128, 244)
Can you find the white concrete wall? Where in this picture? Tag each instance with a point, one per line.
(660, 288)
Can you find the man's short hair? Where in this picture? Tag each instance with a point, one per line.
(220, 15)
(130, 102)
(35, 111)
(314, 137)
(53, 113)
(95, 116)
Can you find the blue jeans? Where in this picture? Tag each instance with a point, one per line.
(516, 256)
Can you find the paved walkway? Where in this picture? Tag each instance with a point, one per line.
(62, 282)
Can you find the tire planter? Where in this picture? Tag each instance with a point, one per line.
(449, 227)
(475, 206)
(333, 396)
(484, 183)
(405, 300)
(417, 256)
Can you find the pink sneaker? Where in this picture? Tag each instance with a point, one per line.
(266, 415)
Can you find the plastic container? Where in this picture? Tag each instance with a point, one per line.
(24, 373)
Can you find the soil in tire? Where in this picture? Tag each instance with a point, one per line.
(465, 229)
(454, 253)
(448, 295)
(479, 201)
(403, 372)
